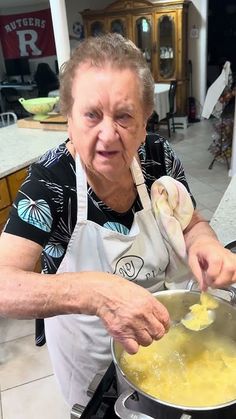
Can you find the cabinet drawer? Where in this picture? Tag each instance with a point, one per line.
(3, 217)
(4, 194)
(14, 182)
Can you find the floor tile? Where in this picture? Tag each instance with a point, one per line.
(198, 187)
(207, 214)
(210, 200)
(13, 329)
(21, 361)
(40, 399)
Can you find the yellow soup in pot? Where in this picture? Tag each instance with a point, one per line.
(185, 368)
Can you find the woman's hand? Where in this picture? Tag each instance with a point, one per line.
(130, 313)
(211, 263)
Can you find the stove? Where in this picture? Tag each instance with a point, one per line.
(103, 393)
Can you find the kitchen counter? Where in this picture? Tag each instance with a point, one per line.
(19, 147)
(223, 220)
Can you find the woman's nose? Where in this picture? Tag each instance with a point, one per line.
(108, 130)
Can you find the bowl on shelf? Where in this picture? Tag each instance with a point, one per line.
(40, 106)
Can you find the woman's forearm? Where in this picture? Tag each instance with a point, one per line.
(198, 230)
(32, 295)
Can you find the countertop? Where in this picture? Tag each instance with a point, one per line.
(223, 220)
(19, 147)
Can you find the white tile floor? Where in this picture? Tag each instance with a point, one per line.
(28, 387)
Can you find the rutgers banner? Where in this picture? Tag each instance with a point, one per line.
(27, 35)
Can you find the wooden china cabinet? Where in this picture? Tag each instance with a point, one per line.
(158, 29)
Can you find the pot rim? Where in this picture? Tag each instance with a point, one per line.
(155, 399)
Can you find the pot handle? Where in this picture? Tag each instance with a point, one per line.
(122, 411)
(232, 292)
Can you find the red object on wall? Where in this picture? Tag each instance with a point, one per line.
(27, 34)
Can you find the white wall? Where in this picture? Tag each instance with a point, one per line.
(197, 49)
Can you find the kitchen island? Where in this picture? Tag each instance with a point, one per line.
(223, 220)
(19, 147)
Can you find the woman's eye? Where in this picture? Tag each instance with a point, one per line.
(92, 115)
(123, 118)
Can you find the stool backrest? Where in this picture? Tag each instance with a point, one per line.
(7, 118)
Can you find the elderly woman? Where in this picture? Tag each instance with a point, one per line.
(82, 207)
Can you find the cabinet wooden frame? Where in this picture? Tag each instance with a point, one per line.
(9, 187)
(129, 11)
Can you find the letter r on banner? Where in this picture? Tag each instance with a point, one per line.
(31, 42)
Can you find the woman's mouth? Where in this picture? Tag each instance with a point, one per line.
(107, 154)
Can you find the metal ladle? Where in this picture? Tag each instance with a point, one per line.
(190, 316)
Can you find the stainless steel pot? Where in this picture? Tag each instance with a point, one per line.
(133, 403)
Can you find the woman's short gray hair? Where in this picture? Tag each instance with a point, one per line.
(110, 48)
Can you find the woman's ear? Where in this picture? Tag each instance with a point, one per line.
(69, 129)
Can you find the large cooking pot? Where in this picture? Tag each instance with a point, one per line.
(133, 403)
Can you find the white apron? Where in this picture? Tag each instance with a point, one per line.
(79, 345)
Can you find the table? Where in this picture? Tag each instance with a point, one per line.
(18, 86)
(19, 147)
(161, 99)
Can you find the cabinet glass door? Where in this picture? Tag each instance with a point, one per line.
(166, 47)
(97, 28)
(118, 26)
(143, 37)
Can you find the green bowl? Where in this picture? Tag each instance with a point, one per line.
(39, 106)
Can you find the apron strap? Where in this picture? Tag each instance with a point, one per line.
(81, 188)
(140, 184)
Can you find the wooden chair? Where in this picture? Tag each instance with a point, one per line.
(169, 120)
(7, 118)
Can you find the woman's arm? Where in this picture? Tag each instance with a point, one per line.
(129, 312)
(211, 263)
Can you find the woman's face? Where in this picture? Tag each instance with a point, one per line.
(107, 123)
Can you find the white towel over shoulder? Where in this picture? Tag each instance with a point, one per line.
(173, 210)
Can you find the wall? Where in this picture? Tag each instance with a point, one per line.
(197, 50)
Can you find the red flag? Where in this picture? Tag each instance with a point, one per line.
(27, 35)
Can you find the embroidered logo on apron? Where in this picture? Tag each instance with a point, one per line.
(129, 266)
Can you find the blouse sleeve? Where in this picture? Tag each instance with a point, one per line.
(174, 167)
(34, 212)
